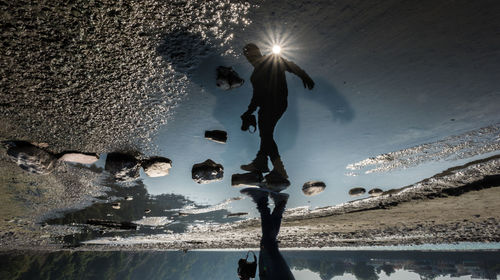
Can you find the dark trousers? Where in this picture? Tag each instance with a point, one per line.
(268, 117)
(272, 265)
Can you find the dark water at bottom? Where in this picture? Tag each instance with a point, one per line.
(223, 265)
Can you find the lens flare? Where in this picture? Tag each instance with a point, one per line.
(276, 49)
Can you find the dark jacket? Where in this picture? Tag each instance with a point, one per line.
(269, 82)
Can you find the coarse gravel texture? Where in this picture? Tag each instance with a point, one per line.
(91, 76)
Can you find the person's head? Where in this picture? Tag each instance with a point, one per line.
(252, 53)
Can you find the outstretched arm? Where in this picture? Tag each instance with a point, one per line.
(293, 68)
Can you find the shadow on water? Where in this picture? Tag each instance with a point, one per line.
(363, 265)
(194, 56)
(136, 206)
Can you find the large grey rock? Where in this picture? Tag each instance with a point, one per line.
(157, 166)
(30, 158)
(375, 192)
(123, 167)
(82, 158)
(227, 78)
(313, 188)
(207, 172)
(356, 191)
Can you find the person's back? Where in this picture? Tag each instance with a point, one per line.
(269, 81)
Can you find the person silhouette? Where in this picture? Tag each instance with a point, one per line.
(270, 94)
(272, 265)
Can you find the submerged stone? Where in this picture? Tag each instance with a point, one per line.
(82, 158)
(116, 205)
(375, 192)
(218, 136)
(356, 191)
(313, 188)
(123, 167)
(227, 78)
(207, 172)
(157, 166)
(275, 182)
(250, 179)
(112, 224)
(30, 158)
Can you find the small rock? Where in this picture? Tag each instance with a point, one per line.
(183, 214)
(123, 167)
(157, 166)
(227, 78)
(207, 172)
(30, 157)
(375, 192)
(250, 179)
(116, 205)
(218, 136)
(356, 191)
(313, 188)
(79, 158)
(275, 182)
(129, 198)
(237, 214)
(147, 211)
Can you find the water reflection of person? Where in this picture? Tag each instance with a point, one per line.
(270, 94)
(272, 265)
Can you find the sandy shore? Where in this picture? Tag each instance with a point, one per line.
(457, 205)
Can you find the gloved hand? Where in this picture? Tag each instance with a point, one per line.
(308, 82)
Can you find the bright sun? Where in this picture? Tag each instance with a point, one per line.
(276, 49)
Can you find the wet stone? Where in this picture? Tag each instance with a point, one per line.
(275, 182)
(227, 78)
(147, 211)
(375, 192)
(313, 188)
(116, 205)
(249, 179)
(207, 172)
(123, 167)
(356, 191)
(82, 158)
(30, 158)
(218, 136)
(156, 166)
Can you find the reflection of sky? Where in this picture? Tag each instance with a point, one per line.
(378, 89)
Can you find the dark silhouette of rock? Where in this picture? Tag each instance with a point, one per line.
(356, 191)
(112, 224)
(156, 166)
(147, 211)
(237, 214)
(375, 192)
(250, 178)
(218, 136)
(123, 167)
(207, 172)
(227, 78)
(30, 157)
(116, 205)
(313, 188)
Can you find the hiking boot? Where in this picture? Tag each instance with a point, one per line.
(275, 182)
(279, 198)
(258, 195)
(259, 164)
(279, 168)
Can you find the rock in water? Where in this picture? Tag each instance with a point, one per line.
(218, 136)
(156, 166)
(313, 188)
(375, 192)
(356, 191)
(82, 158)
(123, 167)
(249, 179)
(207, 172)
(30, 157)
(227, 78)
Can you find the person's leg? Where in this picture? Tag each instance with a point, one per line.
(267, 120)
(280, 200)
